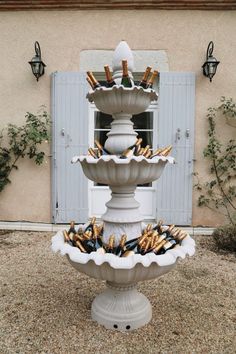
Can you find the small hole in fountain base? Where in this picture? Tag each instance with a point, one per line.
(115, 326)
(128, 327)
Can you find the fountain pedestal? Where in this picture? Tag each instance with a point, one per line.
(121, 307)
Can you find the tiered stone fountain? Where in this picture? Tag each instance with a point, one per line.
(121, 306)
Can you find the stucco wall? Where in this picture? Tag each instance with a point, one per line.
(184, 35)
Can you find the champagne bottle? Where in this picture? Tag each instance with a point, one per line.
(131, 244)
(166, 151)
(182, 235)
(146, 149)
(90, 225)
(90, 82)
(87, 242)
(80, 231)
(111, 245)
(143, 82)
(158, 226)
(92, 153)
(157, 249)
(80, 246)
(97, 240)
(146, 247)
(156, 153)
(147, 154)
(137, 146)
(125, 81)
(127, 153)
(95, 83)
(120, 247)
(148, 228)
(150, 82)
(101, 148)
(140, 152)
(130, 151)
(67, 238)
(134, 246)
(72, 228)
(110, 80)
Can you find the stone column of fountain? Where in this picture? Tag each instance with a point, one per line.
(121, 306)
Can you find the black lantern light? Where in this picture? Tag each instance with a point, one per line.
(210, 65)
(37, 65)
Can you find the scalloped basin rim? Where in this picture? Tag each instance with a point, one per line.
(119, 161)
(187, 247)
(92, 93)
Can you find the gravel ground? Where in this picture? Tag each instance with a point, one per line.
(45, 304)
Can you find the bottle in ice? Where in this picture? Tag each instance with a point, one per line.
(110, 80)
(111, 245)
(143, 82)
(72, 228)
(90, 225)
(101, 148)
(120, 247)
(130, 151)
(125, 81)
(93, 80)
(87, 242)
(92, 153)
(151, 81)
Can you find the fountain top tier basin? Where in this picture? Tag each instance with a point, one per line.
(114, 171)
(119, 99)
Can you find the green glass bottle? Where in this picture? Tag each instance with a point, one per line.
(110, 80)
(143, 82)
(125, 81)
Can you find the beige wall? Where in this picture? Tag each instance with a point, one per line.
(184, 35)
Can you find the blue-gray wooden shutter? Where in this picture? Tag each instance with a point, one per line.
(176, 127)
(70, 138)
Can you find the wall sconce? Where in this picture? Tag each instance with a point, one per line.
(36, 63)
(210, 65)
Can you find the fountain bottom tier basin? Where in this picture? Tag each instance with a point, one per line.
(121, 307)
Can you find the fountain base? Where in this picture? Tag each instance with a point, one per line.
(121, 307)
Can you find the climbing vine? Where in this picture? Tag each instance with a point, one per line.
(219, 192)
(22, 141)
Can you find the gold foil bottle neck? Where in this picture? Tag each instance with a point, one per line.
(87, 235)
(125, 67)
(66, 236)
(92, 153)
(93, 220)
(80, 246)
(90, 82)
(146, 74)
(97, 143)
(166, 151)
(123, 240)
(139, 141)
(108, 73)
(156, 153)
(96, 230)
(111, 242)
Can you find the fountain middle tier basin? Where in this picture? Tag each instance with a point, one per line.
(114, 171)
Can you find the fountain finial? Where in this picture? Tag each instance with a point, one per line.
(122, 52)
